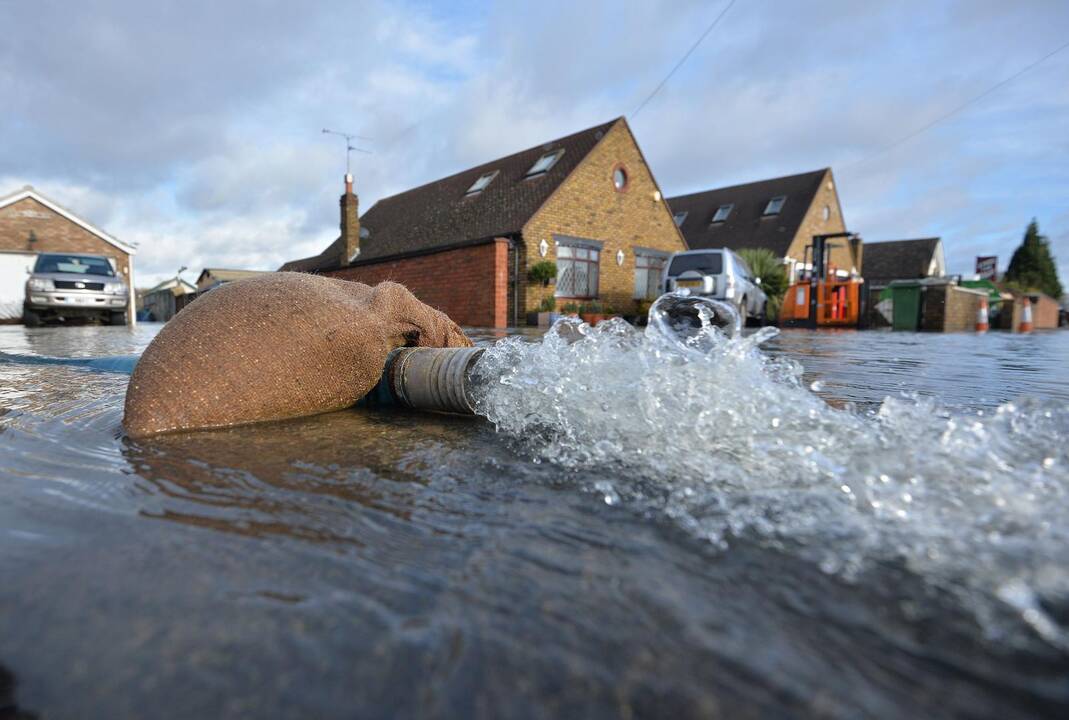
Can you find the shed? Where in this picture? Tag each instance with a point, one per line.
(165, 300)
(211, 277)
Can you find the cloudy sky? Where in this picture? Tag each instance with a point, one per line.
(193, 128)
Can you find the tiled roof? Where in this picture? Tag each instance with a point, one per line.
(882, 262)
(323, 260)
(224, 275)
(747, 226)
(439, 215)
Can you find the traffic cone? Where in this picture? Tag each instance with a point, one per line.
(981, 316)
(1026, 317)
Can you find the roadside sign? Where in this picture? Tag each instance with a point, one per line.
(987, 267)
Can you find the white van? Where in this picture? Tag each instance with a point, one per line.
(719, 274)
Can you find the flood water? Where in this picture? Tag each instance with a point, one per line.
(642, 533)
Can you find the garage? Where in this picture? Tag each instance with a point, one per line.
(13, 274)
(32, 224)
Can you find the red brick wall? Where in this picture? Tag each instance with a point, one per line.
(468, 284)
(52, 233)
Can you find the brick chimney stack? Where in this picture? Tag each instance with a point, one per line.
(350, 224)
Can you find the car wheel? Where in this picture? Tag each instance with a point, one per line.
(117, 318)
(30, 318)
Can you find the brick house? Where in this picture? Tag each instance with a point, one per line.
(782, 215)
(903, 260)
(30, 224)
(587, 202)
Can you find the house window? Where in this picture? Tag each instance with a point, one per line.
(679, 217)
(723, 212)
(648, 269)
(775, 205)
(619, 178)
(827, 212)
(479, 185)
(577, 271)
(544, 163)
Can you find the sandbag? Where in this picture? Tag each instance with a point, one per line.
(275, 346)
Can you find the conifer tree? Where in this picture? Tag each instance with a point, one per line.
(1032, 266)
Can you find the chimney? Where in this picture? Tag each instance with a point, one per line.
(350, 224)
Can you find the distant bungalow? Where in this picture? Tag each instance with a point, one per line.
(782, 215)
(587, 203)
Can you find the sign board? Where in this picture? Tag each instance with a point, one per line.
(987, 267)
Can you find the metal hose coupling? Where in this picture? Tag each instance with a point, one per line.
(437, 379)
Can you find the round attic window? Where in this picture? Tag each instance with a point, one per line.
(619, 178)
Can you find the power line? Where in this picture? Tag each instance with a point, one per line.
(682, 60)
(959, 108)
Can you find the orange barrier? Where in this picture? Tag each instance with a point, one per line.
(981, 316)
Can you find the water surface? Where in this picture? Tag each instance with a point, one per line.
(385, 564)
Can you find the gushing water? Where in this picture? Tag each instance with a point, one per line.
(697, 423)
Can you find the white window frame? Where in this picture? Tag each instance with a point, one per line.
(775, 205)
(545, 163)
(480, 184)
(649, 269)
(723, 213)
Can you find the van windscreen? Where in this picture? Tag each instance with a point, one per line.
(711, 263)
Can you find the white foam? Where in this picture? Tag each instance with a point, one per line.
(728, 442)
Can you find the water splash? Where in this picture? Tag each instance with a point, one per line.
(697, 423)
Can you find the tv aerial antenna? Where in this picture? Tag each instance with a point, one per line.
(349, 147)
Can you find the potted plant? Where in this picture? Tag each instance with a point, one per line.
(543, 272)
(547, 314)
(642, 311)
(570, 309)
(592, 313)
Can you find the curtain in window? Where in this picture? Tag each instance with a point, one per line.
(648, 268)
(577, 271)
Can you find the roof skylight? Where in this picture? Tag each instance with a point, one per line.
(723, 212)
(775, 205)
(479, 185)
(679, 217)
(544, 163)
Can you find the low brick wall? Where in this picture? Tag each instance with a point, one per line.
(949, 308)
(469, 284)
(1044, 313)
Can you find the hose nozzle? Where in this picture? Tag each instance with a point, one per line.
(436, 379)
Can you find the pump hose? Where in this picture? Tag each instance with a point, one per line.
(436, 379)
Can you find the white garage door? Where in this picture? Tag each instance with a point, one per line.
(13, 267)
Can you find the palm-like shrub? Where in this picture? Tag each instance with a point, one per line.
(765, 265)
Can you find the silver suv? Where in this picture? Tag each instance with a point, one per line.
(719, 274)
(64, 286)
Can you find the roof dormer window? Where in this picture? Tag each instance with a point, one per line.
(679, 217)
(479, 185)
(775, 205)
(544, 163)
(722, 213)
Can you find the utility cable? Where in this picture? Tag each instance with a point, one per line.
(682, 60)
(959, 108)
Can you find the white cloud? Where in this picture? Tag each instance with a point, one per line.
(203, 143)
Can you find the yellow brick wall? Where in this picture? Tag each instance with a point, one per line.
(587, 205)
(51, 232)
(815, 224)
